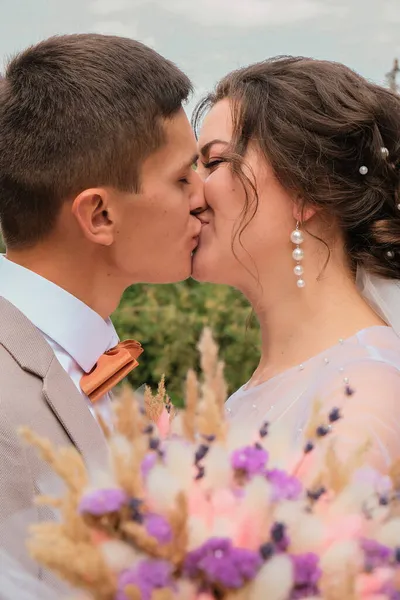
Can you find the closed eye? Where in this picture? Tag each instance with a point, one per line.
(213, 163)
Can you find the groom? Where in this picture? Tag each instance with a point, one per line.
(97, 192)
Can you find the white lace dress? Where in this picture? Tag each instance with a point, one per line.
(367, 364)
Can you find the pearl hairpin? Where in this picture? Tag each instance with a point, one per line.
(363, 170)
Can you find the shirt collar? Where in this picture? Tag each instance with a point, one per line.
(78, 329)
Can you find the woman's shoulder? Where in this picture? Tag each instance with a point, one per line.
(375, 350)
(364, 385)
(379, 342)
(372, 351)
(367, 370)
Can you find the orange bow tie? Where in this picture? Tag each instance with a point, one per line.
(111, 368)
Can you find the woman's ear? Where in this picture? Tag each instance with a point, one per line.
(93, 212)
(302, 212)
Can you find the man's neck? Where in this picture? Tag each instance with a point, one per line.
(83, 275)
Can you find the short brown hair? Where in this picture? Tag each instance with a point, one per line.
(78, 111)
(316, 123)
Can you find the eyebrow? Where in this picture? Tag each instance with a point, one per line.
(190, 162)
(207, 147)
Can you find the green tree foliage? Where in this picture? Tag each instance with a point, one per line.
(168, 321)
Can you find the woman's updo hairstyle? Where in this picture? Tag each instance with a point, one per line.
(318, 123)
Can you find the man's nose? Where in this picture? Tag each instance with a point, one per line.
(197, 200)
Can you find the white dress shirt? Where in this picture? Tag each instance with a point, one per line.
(77, 334)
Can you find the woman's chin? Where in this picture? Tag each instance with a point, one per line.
(198, 272)
(203, 267)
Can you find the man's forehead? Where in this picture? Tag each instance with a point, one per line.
(175, 154)
(181, 154)
(179, 134)
(178, 127)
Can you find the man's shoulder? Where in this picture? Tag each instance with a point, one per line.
(20, 339)
(11, 369)
(23, 404)
(20, 390)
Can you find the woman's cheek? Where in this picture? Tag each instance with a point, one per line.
(224, 195)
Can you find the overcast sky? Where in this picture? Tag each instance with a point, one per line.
(208, 38)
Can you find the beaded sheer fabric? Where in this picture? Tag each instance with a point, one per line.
(359, 375)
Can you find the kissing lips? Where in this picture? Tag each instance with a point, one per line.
(195, 242)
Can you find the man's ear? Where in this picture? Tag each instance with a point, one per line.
(92, 210)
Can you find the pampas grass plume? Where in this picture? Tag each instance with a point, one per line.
(179, 462)
(118, 555)
(305, 530)
(162, 489)
(274, 580)
(389, 533)
(257, 495)
(198, 534)
(218, 471)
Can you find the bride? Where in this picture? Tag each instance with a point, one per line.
(300, 160)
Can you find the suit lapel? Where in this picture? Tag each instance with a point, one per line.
(31, 351)
(74, 415)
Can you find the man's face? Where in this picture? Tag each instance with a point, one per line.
(155, 233)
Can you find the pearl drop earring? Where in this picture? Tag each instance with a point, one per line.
(297, 239)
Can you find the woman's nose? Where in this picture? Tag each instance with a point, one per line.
(198, 203)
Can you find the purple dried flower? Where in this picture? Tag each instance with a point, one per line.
(285, 487)
(315, 495)
(200, 472)
(135, 506)
(306, 569)
(267, 550)
(148, 575)
(99, 502)
(280, 537)
(375, 554)
(158, 527)
(148, 463)
(306, 575)
(201, 452)
(389, 591)
(334, 415)
(309, 447)
(250, 459)
(322, 430)
(154, 443)
(217, 562)
(263, 432)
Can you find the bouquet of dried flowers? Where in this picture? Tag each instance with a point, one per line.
(194, 507)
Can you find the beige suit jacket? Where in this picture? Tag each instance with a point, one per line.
(37, 392)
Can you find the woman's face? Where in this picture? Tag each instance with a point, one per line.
(264, 248)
